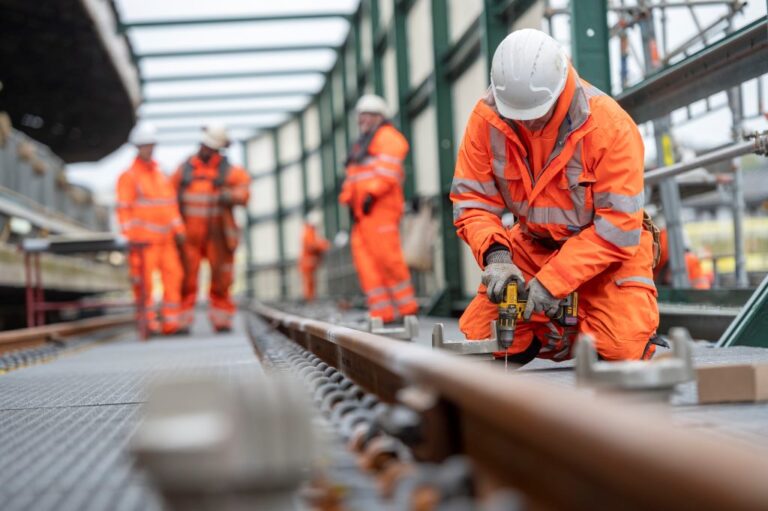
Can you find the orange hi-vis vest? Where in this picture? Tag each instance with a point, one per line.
(146, 207)
(585, 201)
(199, 186)
(375, 167)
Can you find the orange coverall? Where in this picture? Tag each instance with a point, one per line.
(698, 278)
(576, 190)
(148, 213)
(313, 246)
(212, 233)
(375, 168)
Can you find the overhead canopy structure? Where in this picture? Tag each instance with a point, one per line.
(68, 80)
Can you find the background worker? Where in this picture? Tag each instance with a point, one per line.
(148, 213)
(698, 278)
(567, 161)
(313, 246)
(208, 188)
(373, 190)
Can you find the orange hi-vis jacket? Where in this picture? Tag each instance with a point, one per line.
(582, 195)
(199, 185)
(146, 204)
(375, 168)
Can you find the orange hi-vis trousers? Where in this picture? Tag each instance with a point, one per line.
(384, 276)
(617, 308)
(163, 258)
(221, 260)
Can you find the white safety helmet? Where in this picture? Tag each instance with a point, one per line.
(371, 104)
(143, 134)
(528, 73)
(215, 136)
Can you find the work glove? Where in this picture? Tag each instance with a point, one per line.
(540, 300)
(225, 198)
(367, 204)
(179, 238)
(500, 271)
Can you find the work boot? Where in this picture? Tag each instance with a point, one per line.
(224, 329)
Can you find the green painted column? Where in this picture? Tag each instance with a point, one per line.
(249, 277)
(330, 191)
(376, 58)
(494, 29)
(589, 40)
(279, 217)
(304, 179)
(441, 98)
(403, 87)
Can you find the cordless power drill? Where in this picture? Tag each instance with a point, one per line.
(512, 307)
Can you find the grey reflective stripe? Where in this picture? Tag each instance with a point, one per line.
(381, 171)
(619, 202)
(360, 176)
(405, 300)
(144, 201)
(637, 278)
(518, 208)
(202, 211)
(590, 91)
(553, 215)
(377, 291)
(161, 228)
(616, 236)
(401, 286)
(498, 151)
(379, 305)
(198, 197)
(389, 159)
(460, 206)
(462, 185)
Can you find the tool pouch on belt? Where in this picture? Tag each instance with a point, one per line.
(649, 226)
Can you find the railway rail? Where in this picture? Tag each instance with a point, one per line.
(562, 448)
(29, 345)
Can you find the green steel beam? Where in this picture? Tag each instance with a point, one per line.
(267, 73)
(589, 42)
(279, 216)
(444, 111)
(330, 193)
(269, 94)
(750, 328)
(249, 288)
(403, 87)
(376, 56)
(359, 76)
(123, 26)
(304, 154)
(234, 51)
(344, 126)
(493, 28)
(217, 113)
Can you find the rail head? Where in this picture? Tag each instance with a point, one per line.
(561, 446)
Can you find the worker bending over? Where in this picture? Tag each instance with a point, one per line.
(698, 277)
(148, 215)
(567, 161)
(208, 189)
(373, 190)
(313, 246)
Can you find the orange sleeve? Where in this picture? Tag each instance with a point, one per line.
(388, 150)
(125, 197)
(239, 183)
(477, 203)
(618, 196)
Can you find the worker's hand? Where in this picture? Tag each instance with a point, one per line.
(179, 238)
(500, 271)
(540, 300)
(367, 204)
(225, 198)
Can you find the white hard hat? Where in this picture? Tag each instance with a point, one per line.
(314, 217)
(215, 136)
(528, 74)
(143, 134)
(371, 104)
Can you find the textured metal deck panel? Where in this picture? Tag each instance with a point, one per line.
(65, 425)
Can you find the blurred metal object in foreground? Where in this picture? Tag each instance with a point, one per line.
(243, 443)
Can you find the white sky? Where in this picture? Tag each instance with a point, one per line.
(181, 133)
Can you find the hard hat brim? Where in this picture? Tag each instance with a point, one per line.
(517, 114)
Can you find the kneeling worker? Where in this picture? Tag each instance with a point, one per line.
(313, 246)
(567, 161)
(373, 190)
